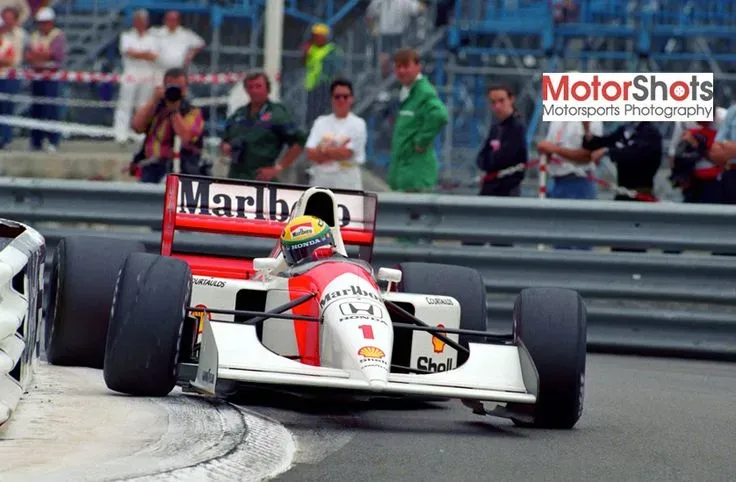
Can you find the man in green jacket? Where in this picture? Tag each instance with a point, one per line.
(256, 133)
(421, 117)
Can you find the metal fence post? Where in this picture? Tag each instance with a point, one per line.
(216, 22)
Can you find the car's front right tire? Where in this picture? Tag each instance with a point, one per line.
(147, 320)
(551, 323)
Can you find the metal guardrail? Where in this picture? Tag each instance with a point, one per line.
(642, 302)
(670, 226)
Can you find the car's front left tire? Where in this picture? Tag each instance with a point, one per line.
(144, 340)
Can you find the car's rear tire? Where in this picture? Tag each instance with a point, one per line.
(464, 284)
(146, 325)
(81, 285)
(551, 323)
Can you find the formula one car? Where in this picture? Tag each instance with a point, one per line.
(332, 323)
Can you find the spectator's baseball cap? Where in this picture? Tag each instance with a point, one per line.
(45, 14)
(320, 29)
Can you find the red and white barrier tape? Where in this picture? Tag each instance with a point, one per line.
(522, 166)
(72, 128)
(200, 101)
(609, 185)
(91, 77)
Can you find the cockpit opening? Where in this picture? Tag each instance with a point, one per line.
(320, 205)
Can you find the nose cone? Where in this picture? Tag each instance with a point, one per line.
(357, 330)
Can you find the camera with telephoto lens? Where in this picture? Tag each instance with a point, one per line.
(172, 93)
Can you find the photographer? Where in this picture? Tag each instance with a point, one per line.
(168, 114)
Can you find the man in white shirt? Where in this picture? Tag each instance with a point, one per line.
(177, 45)
(336, 143)
(139, 51)
(567, 160)
(389, 21)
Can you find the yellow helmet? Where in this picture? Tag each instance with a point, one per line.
(302, 235)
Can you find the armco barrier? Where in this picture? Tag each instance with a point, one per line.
(641, 302)
(22, 260)
(443, 217)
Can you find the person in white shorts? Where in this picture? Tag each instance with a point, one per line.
(336, 143)
(139, 51)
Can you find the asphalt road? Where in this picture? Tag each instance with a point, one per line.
(645, 419)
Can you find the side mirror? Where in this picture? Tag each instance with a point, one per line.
(265, 264)
(390, 275)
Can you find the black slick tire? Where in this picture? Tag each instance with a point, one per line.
(551, 323)
(81, 285)
(462, 283)
(146, 325)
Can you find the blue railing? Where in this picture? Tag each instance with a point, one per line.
(327, 11)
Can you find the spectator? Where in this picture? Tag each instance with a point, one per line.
(177, 45)
(12, 42)
(443, 12)
(692, 171)
(636, 149)
(139, 50)
(564, 148)
(566, 11)
(336, 143)
(723, 153)
(169, 114)
(256, 134)
(46, 53)
(22, 9)
(505, 145)
(389, 20)
(323, 61)
(421, 116)
(678, 130)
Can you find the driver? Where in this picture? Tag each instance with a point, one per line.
(302, 236)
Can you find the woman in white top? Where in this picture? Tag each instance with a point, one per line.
(336, 143)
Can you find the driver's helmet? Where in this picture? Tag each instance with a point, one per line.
(302, 235)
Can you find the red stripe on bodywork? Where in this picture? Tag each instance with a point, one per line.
(262, 228)
(315, 281)
(307, 332)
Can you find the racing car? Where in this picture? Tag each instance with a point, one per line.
(335, 323)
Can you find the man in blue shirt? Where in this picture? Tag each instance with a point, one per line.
(723, 153)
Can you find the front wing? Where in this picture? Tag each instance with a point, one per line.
(501, 373)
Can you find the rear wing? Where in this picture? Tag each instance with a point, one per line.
(256, 209)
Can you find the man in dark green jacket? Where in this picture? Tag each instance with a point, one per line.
(421, 117)
(256, 133)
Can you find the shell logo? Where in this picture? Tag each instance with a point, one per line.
(438, 345)
(371, 352)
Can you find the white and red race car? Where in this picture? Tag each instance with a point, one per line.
(332, 323)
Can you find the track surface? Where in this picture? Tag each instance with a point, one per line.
(71, 427)
(645, 419)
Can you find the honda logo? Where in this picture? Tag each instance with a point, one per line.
(357, 309)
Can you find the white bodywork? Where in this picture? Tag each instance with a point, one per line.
(348, 360)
